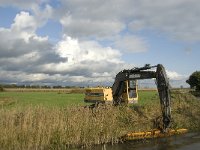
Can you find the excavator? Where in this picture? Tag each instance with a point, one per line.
(124, 91)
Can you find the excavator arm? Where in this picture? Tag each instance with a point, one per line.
(164, 94)
(129, 75)
(144, 73)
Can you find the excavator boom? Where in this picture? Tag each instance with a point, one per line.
(160, 75)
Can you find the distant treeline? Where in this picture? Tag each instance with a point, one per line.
(37, 86)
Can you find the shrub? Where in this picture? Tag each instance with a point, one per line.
(1, 89)
(194, 80)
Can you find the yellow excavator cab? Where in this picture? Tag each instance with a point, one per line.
(130, 94)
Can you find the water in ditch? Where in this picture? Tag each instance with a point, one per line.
(177, 142)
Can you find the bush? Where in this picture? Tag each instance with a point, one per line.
(1, 89)
(194, 80)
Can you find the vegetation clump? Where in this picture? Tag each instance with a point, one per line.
(185, 111)
(1, 89)
(194, 80)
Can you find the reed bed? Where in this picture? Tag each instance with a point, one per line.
(61, 128)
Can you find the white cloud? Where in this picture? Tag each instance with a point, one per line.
(130, 43)
(24, 21)
(21, 48)
(84, 57)
(79, 51)
(79, 56)
(24, 26)
(179, 19)
(82, 27)
(100, 19)
(21, 36)
(20, 77)
(31, 58)
(23, 4)
(172, 75)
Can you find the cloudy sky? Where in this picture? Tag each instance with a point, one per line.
(86, 42)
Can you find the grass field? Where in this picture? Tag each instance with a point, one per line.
(60, 99)
(63, 126)
(41, 98)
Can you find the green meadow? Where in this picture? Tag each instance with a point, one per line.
(60, 99)
(41, 98)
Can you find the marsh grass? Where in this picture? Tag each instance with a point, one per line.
(185, 111)
(39, 127)
(53, 128)
(7, 101)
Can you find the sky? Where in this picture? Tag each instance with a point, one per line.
(87, 42)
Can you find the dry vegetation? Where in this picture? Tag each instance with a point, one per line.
(186, 111)
(1, 89)
(6, 101)
(61, 128)
(41, 127)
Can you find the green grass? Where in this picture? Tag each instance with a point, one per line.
(42, 98)
(60, 99)
(146, 97)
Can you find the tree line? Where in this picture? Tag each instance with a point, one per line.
(36, 86)
(193, 81)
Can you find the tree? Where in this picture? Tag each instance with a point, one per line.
(194, 80)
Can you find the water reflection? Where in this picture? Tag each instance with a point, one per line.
(178, 142)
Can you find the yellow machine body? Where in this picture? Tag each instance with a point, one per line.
(104, 94)
(99, 94)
